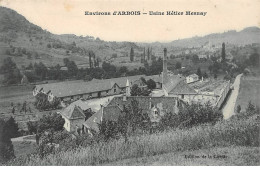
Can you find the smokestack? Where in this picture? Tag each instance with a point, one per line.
(165, 73)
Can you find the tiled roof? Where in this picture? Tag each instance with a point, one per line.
(182, 88)
(145, 103)
(84, 106)
(93, 121)
(70, 88)
(73, 112)
(114, 110)
(172, 82)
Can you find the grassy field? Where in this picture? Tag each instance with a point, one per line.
(22, 148)
(14, 94)
(220, 156)
(225, 134)
(249, 91)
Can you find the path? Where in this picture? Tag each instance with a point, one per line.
(229, 108)
(20, 139)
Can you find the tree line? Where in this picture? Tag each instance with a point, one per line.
(39, 71)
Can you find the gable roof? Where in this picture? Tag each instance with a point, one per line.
(114, 110)
(93, 121)
(70, 88)
(73, 112)
(193, 75)
(83, 106)
(172, 82)
(182, 88)
(145, 103)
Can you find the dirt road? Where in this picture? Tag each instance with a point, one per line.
(229, 108)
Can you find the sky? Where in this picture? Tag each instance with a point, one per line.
(68, 17)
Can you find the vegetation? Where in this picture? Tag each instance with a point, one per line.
(137, 91)
(11, 73)
(132, 54)
(237, 132)
(6, 146)
(223, 53)
(42, 102)
(12, 128)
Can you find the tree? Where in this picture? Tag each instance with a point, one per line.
(238, 109)
(195, 58)
(223, 52)
(53, 122)
(135, 90)
(42, 102)
(66, 61)
(6, 146)
(12, 128)
(178, 65)
(199, 73)
(11, 73)
(132, 54)
(254, 59)
(205, 75)
(151, 84)
(91, 55)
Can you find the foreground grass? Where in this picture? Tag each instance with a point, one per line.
(24, 148)
(220, 156)
(224, 134)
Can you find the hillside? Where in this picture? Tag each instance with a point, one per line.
(246, 36)
(29, 43)
(26, 42)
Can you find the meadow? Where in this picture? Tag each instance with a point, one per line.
(232, 133)
(249, 91)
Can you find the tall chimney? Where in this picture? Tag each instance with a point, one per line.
(165, 73)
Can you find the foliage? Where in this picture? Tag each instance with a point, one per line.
(32, 127)
(132, 54)
(137, 91)
(199, 73)
(130, 119)
(151, 84)
(222, 134)
(6, 146)
(12, 128)
(223, 53)
(195, 58)
(191, 115)
(53, 122)
(178, 65)
(42, 102)
(11, 73)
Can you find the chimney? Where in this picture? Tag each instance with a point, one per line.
(124, 98)
(165, 73)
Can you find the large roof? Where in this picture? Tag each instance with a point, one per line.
(145, 103)
(112, 110)
(73, 112)
(70, 88)
(176, 85)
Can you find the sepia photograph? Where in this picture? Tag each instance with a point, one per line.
(129, 83)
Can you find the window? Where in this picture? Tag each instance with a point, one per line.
(156, 112)
(114, 90)
(182, 96)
